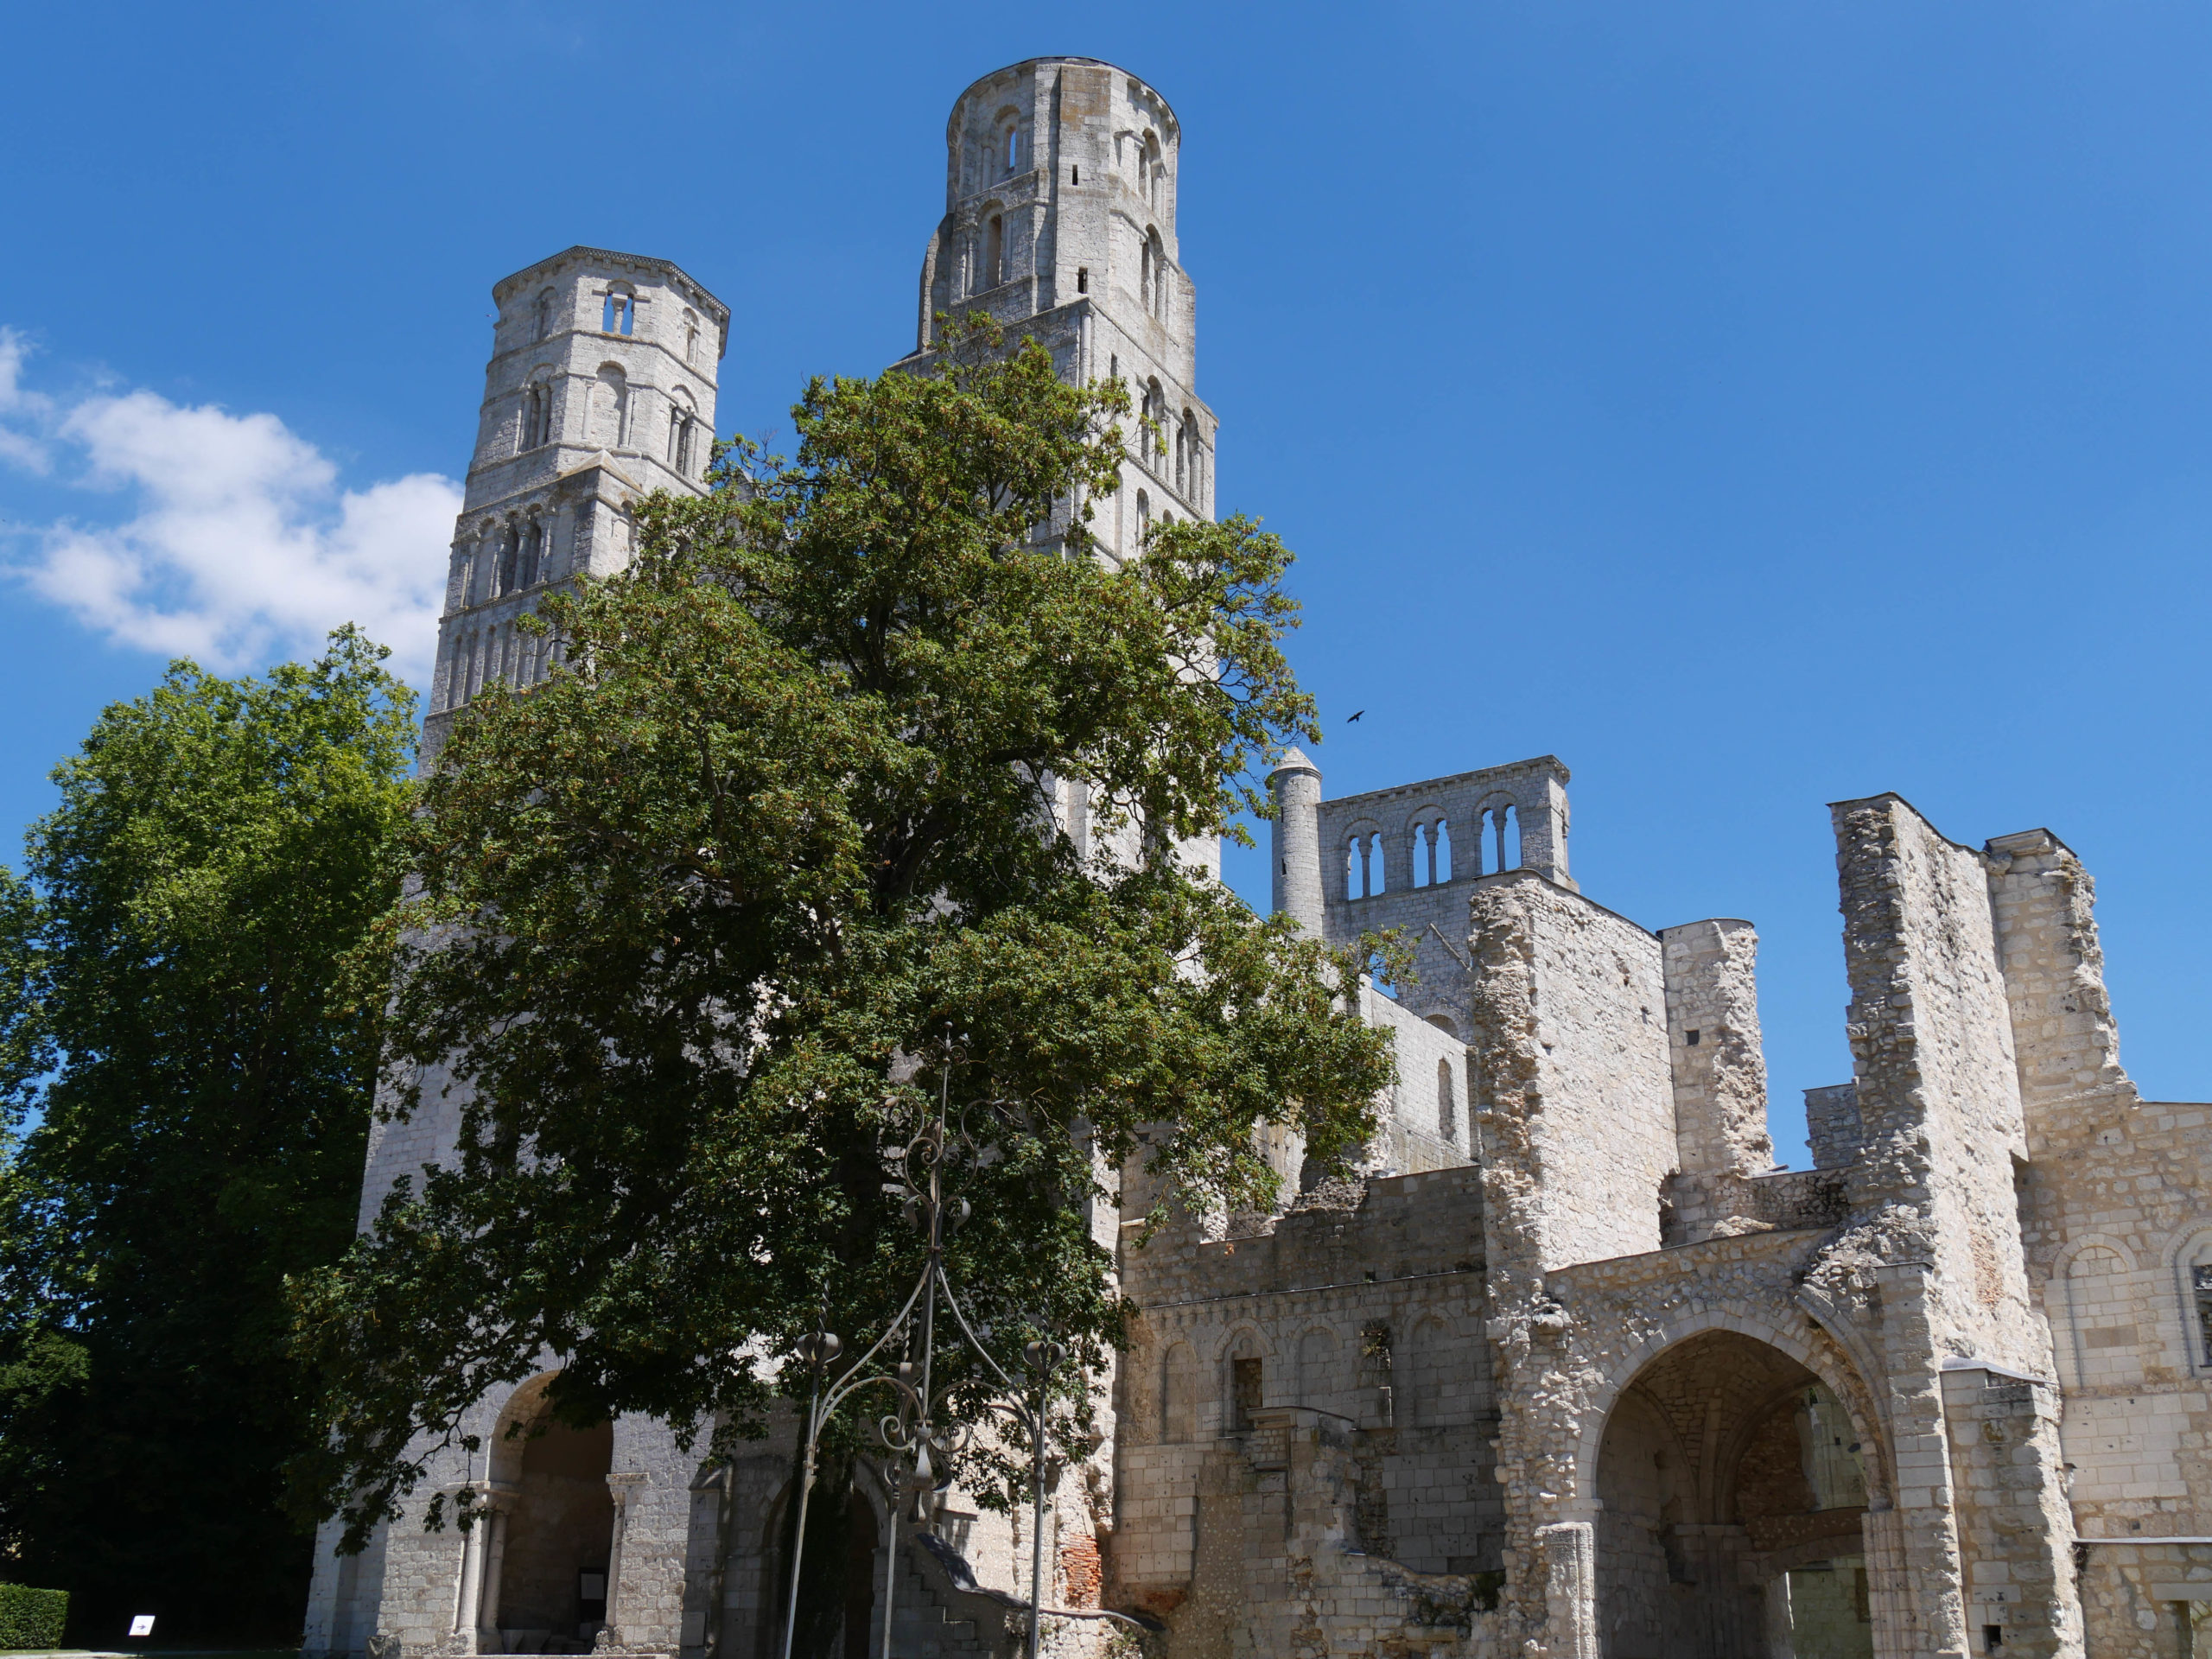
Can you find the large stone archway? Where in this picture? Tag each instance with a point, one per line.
(545, 1584)
(1731, 1488)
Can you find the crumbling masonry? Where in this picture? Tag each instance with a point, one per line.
(1572, 1369)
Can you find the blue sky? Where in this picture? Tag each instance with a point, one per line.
(1755, 405)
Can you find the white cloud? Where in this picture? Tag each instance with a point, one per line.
(19, 407)
(240, 547)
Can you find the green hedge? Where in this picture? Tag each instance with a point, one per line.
(32, 1618)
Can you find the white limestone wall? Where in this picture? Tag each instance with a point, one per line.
(1577, 1112)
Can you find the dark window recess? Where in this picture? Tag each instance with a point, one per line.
(1075, 176)
(1993, 1637)
(1690, 1037)
(2201, 1280)
(1243, 1391)
(1082, 279)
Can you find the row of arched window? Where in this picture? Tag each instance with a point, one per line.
(500, 653)
(1366, 1377)
(1364, 872)
(1160, 435)
(509, 556)
(608, 421)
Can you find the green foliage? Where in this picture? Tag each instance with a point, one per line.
(32, 1618)
(198, 1116)
(772, 862)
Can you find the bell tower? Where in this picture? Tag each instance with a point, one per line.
(1061, 184)
(600, 388)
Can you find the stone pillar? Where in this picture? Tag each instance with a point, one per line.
(620, 1487)
(1296, 785)
(487, 1605)
(1539, 806)
(472, 1581)
(1397, 861)
(1570, 1563)
(1889, 1589)
(1780, 1643)
(1720, 1074)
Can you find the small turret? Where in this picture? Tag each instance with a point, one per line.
(1296, 785)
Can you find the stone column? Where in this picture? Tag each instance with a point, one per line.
(1397, 861)
(621, 1488)
(487, 1605)
(472, 1581)
(1570, 1565)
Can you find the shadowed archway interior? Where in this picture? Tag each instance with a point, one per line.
(1732, 1495)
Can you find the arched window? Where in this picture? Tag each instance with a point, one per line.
(536, 427)
(1150, 170)
(1155, 276)
(1179, 1395)
(994, 251)
(533, 553)
(1247, 1384)
(1010, 149)
(619, 315)
(610, 408)
(1447, 1102)
(482, 565)
(1363, 864)
(1144, 518)
(545, 314)
(682, 424)
(1506, 826)
(2195, 1264)
(510, 552)
(1154, 441)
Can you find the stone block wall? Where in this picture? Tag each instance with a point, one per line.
(1571, 1052)
(1372, 1315)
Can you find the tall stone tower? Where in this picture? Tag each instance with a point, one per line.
(600, 388)
(1059, 220)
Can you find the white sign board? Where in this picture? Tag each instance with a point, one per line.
(143, 1625)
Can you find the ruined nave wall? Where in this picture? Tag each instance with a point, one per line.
(1570, 1048)
(1371, 1316)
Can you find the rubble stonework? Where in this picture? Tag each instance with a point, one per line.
(1566, 1367)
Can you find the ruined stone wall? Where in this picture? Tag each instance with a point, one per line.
(2014, 1532)
(1372, 1315)
(2117, 1219)
(1429, 1125)
(1719, 1078)
(1576, 1110)
(1936, 1085)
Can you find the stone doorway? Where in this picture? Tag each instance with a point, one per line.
(1731, 1490)
(554, 1537)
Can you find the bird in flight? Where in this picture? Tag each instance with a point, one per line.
(1350, 718)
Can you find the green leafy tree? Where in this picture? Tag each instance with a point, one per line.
(197, 1119)
(706, 921)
